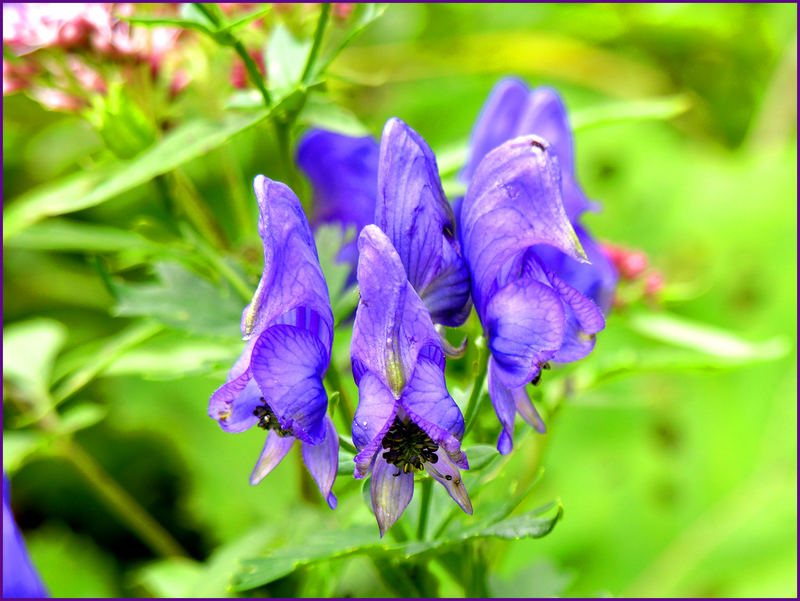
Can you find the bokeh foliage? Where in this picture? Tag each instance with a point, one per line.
(673, 455)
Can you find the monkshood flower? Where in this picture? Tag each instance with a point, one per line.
(406, 420)
(530, 315)
(395, 185)
(20, 578)
(343, 174)
(414, 213)
(276, 383)
(513, 110)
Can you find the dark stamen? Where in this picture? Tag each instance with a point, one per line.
(408, 447)
(268, 421)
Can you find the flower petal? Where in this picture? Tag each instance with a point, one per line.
(414, 213)
(429, 405)
(446, 473)
(287, 364)
(391, 493)
(524, 323)
(322, 461)
(222, 401)
(596, 280)
(526, 409)
(375, 413)
(584, 320)
(498, 122)
(504, 406)
(241, 416)
(20, 579)
(392, 324)
(343, 173)
(275, 449)
(513, 202)
(292, 276)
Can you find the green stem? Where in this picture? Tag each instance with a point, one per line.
(122, 504)
(252, 70)
(334, 382)
(325, 10)
(424, 508)
(285, 154)
(230, 40)
(346, 444)
(481, 365)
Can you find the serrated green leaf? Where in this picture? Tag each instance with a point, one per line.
(182, 300)
(286, 57)
(480, 456)
(93, 187)
(364, 540)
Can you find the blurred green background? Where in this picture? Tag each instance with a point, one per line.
(677, 474)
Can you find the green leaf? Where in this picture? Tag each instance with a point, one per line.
(96, 363)
(170, 578)
(364, 540)
(169, 22)
(29, 350)
(706, 339)
(19, 446)
(93, 187)
(320, 111)
(480, 456)
(77, 236)
(81, 417)
(125, 129)
(653, 108)
(286, 57)
(245, 19)
(182, 300)
(346, 464)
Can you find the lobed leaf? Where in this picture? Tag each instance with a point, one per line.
(364, 540)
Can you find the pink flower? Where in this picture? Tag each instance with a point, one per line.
(17, 76)
(57, 100)
(27, 27)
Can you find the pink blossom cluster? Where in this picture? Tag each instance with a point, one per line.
(633, 266)
(89, 33)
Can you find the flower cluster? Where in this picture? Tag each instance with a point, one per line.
(513, 246)
(89, 34)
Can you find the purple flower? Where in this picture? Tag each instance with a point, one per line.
(511, 111)
(413, 212)
(20, 579)
(530, 315)
(343, 174)
(406, 419)
(277, 381)
(397, 187)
